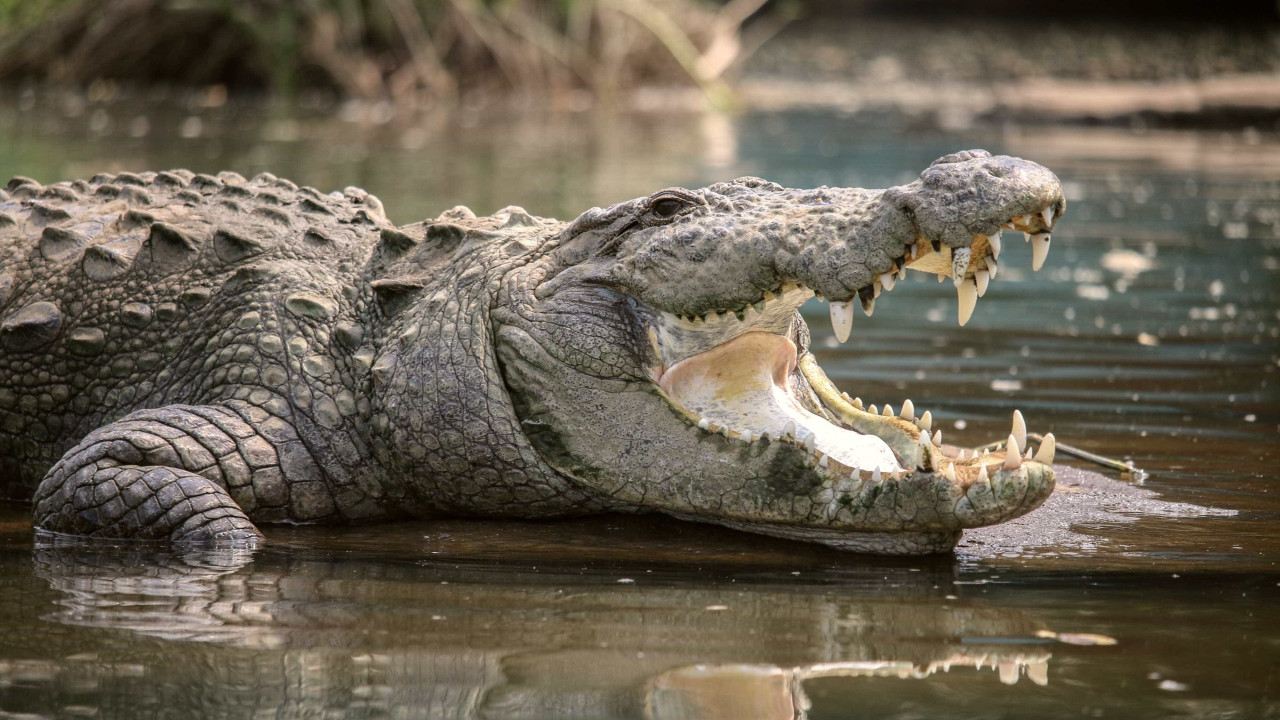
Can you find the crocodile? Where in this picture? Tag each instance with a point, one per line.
(186, 357)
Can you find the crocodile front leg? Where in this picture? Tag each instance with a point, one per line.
(185, 473)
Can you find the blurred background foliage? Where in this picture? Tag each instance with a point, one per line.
(408, 51)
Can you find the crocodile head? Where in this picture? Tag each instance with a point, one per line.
(655, 353)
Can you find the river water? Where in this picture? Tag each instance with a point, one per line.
(1152, 334)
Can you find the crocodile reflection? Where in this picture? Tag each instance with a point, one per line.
(234, 633)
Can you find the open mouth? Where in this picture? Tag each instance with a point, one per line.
(746, 374)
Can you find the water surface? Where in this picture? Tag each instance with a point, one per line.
(1152, 334)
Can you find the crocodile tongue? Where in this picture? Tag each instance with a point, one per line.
(745, 384)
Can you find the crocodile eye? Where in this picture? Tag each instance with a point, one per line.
(666, 207)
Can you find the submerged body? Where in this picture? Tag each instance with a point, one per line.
(184, 356)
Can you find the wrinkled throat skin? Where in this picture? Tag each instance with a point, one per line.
(655, 354)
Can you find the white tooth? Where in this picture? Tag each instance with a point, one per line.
(704, 424)
(982, 474)
(915, 250)
(994, 241)
(745, 436)
(1038, 672)
(991, 267)
(967, 292)
(842, 319)
(926, 421)
(857, 403)
(1012, 460)
(960, 264)
(809, 442)
(1025, 220)
(873, 410)
(887, 280)
(1026, 236)
(1019, 430)
(789, 430)
(1009, 673)
(908, 410)
(986, 452)
(902, 272)
(1039, 250)
(1027, 454)
(845, 396)
(869, 307)
(1047, 214)
(875, 475)
(924, 436)
(982, 278)
(937, 438)
(1044, 455)
(888, 410)
(949, 472)
(822, 462)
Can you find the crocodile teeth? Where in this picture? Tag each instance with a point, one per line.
(1047, 215)
(982, 278)
(1027, 454)
(937, 438)
(869, 306)
(968, 296)
(1019, 430)
(1039, 250)
(991, 267)
(875, 475)
(704, 424)
(982, 474)
(926, 421)
(857, 403)
(789, 430)
(887, 280)
(994, 242)
(908, 410)
(873, 409)
(960, 264)
(1012, 460)
(809, 442)
(842, 319)
(887, 411)
(1038, 672)
(949, 472)
(1044, 455)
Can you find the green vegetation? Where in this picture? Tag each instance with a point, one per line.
(408, 51)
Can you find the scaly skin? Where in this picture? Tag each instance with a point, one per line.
(187, 356)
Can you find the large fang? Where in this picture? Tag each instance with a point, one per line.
(887, 280)
(982, 278)
(1047, 215)
(1044, 455)
(967, 292)
(959, 265)
(1039, 250)
(1019, 430)
(842, 319)
(994, 242)
(1012, 460)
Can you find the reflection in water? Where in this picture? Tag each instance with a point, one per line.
(233, 633)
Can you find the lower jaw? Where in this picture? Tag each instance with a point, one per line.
(878, 543)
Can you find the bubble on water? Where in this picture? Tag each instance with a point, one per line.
(1250, 418)
(961, 424)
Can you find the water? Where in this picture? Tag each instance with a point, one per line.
(1153, 334)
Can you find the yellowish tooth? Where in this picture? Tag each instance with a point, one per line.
(1009, 673)
(1019, 430)
(857, 403)
(1039, 250)
(1047, 215)
(949, 472)
(937, 438)
(888, 410)
(908, 410)
(1012, 460)
(1027, 454)
(995, 242)
(982, 474)
(926, 421)
(991, 267)
(981, 279)
(1044, 455)
(1038, 672)
(967, 293)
